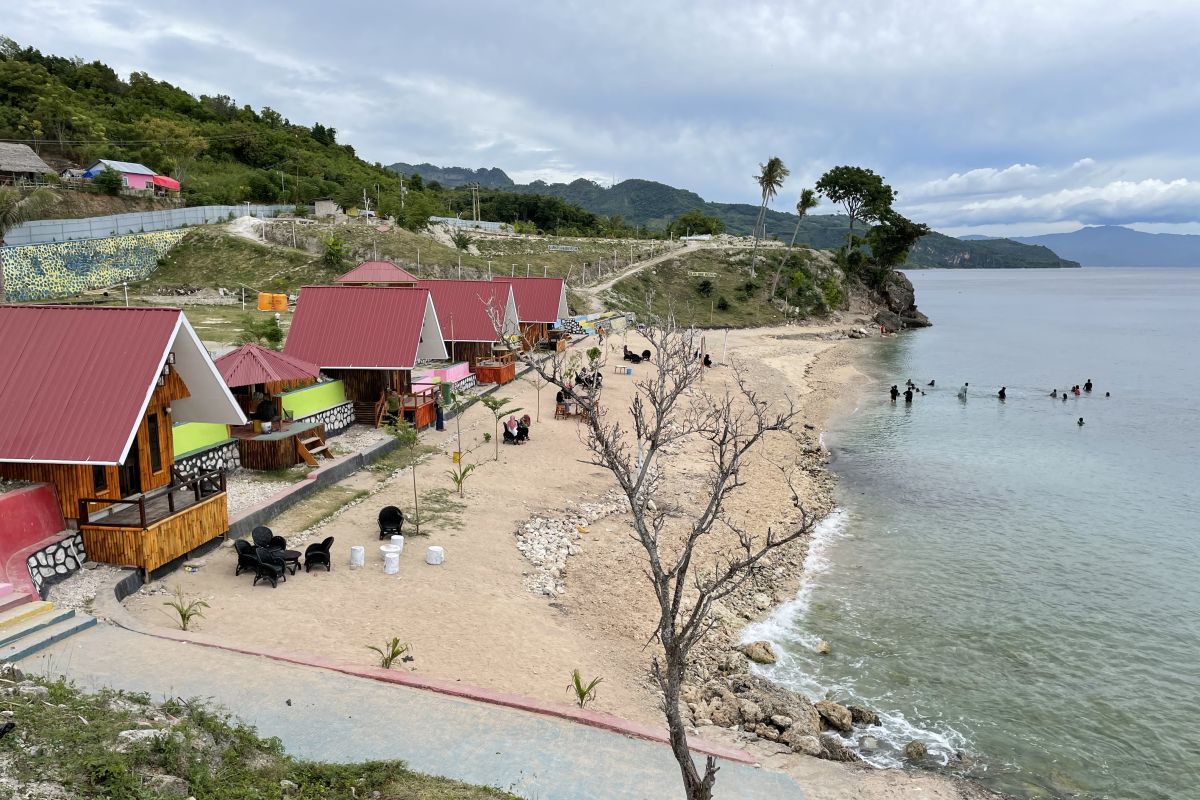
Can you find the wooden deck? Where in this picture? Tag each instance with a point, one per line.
(277, 449)
(162, 541)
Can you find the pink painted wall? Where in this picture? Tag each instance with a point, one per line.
(137, 181)
(423, 379)
(27, 516)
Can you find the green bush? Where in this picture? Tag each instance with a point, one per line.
(705, 288)
(109, 182)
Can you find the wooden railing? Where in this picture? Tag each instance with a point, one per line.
(200, 486)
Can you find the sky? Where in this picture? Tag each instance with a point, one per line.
(991, 117)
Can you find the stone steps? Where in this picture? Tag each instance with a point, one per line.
(44, 618)
(41, 638)
(12, 600)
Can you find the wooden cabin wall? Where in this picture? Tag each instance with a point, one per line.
(533, 332)
(160, 401)
(73, 482)
(368, 385)
(471, 352)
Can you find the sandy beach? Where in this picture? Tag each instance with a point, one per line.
(476, 619)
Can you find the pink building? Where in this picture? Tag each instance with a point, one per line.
(137, 176)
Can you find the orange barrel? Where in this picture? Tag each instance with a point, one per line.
(280, 302)
(264, 301)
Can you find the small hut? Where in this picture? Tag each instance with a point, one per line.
(541, 303)
(470, 312)
(18, 163)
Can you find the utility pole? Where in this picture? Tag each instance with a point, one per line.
(489, 270)
(418, 261)
(403, 191)
(526, 269)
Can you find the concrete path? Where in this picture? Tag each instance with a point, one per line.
(341, 718)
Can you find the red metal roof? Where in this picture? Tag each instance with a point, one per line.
(77, 380)
(359, 327)
(165, 182)
(251, 364)
(378, 272)
(462, 308)
(538, 299)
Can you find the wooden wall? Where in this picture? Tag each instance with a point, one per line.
(368, 385)
(532, 333)
(471, 352)
(72, 482)
(160, 401)
(163, 541)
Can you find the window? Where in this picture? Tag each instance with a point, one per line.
(99, 478)
(156, 464)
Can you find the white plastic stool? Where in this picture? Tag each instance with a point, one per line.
(399, 542)
(386, 549)
(435, 555)
(358, 556)
(391, 563)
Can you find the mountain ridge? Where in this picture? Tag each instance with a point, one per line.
(1117, 246)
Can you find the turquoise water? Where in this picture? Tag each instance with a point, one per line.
(1000, 581)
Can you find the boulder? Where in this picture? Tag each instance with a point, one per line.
(750, 711)
(863, 716)
(824, 648)
(765, 732)
(167, 785)
(916, 751)
(762, 602)
(889, 319)
(834, 749)
(760, 652)
(899, 294)
(780, 721)
(834, 715)
(868, 743)
(129, 739)
(802, 743)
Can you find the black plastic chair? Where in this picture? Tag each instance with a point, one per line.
(247, 559)
(318, 554)
(270, 567)
(391, 522)
(645, 355)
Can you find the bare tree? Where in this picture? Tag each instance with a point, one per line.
(689, 565)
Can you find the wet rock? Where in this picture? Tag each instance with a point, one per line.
(760, 652)
(863, 716)
(868, 743)
(890, 320)
(835, 715)
(802, 743)
(824, 648)
(916, 751)
(834, 749)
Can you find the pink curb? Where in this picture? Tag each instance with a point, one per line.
(595, 719)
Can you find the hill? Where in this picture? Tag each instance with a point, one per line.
(454, 177)
(1118, 246)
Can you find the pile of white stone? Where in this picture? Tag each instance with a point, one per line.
(547, 541)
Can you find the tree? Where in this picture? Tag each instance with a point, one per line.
(695, 223)
(807, 202)
(335, 251)
(109, 181)
(770, 179)
(410, 440)
(174, 146)
(890, 242)
(538, 382)
(16, 209)
(861, 192)
(689, 567)
(461, 239)
(499, 407)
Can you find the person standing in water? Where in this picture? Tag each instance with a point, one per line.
(1003, 393)
(1054, 393)
(930, 383)
(908, 396)
(962, 393)
(895, 392)
(1064, 396)
(1080, 423)
(1087, 387)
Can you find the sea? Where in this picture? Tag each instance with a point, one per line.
(1017, 591)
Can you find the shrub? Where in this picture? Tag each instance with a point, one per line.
(704, 288)
(109, 182)
(722, 303)
(584, 692)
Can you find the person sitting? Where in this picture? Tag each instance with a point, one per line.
(707, 360)
(628, 354)
(510, 431)
(523, 429)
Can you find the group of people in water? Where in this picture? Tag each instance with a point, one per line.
(911, 390)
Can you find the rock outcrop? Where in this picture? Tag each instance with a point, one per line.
(900, 300)
(835, 716)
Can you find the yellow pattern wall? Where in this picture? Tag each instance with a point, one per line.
(62, 269)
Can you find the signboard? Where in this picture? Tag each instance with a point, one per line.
(562, 248)
(702, 274)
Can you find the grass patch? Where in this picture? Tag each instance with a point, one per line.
(70, 739)
(728, 298)
(440, 511)
(400, 458)
(324, 504)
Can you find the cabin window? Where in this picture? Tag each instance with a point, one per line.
(99, 479)
(156, 464)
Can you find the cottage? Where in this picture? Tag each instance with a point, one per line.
(19, 164)
(541, 303)
(371, 338)
(378, 273)
(136, 176)
(88, 401)
(469, 313)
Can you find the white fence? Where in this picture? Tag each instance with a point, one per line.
(45, 231)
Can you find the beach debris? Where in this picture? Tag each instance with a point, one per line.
(547, 541)
(863, 716)
(824, 648)
(759, 652)
(835, 715)
(915, 751)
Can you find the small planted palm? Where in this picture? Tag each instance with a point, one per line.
(186, 610)
(584, 692)
(392, 651)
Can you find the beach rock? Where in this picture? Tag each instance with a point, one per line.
(834, 749)
(863, 716)
(762, 602)
(760, 652)
(751, 712)
(766, 732)
(899, 294)
(732, 661)
(824, 648)
(889, 319)
(780, 721)
(915, 751)
(802, 743)
(868, 743)
(836, 716)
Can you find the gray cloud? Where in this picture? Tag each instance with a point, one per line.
(966, 108)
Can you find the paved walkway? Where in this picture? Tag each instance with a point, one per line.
(341, 718)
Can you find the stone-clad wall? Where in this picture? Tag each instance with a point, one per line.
(44, 271)
(223, 456)
(336, 419)
(54, 563)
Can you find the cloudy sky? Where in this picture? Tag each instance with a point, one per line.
(988, 116)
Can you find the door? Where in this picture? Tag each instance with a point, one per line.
(130, 472)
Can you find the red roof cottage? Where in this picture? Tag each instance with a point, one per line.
(378, 273)
(541, 302)
(88, 400)
(469, 312)
(369, 337)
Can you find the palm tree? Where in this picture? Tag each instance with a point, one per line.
(770, 179)
(807, 202)
(15, 209)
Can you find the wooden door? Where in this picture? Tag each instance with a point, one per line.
(130, 472)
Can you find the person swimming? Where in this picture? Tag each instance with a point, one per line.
(1108, 394)
(1003, 393)
(1064, 397)
(930, 383)
(1080, 421)
(908, 396)
(1075, 389)
(962, 393)
(1087, 387)
(1054, 393)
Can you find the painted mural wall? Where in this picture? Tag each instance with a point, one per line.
(62, 269)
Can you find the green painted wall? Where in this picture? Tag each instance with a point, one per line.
(192, 436)
(312, 399)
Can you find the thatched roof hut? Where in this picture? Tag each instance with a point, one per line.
(18, 161)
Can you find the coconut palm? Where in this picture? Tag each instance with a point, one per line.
(770, 179)
(15, 209)
(807, 202)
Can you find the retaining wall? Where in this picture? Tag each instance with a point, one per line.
(43, 231)
(223, 455)
(336, 420)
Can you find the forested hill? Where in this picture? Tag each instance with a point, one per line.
(454, 177)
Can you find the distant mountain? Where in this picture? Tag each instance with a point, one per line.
(453, 177)
(1118, 246)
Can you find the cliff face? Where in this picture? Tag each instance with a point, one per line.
(898, 301)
